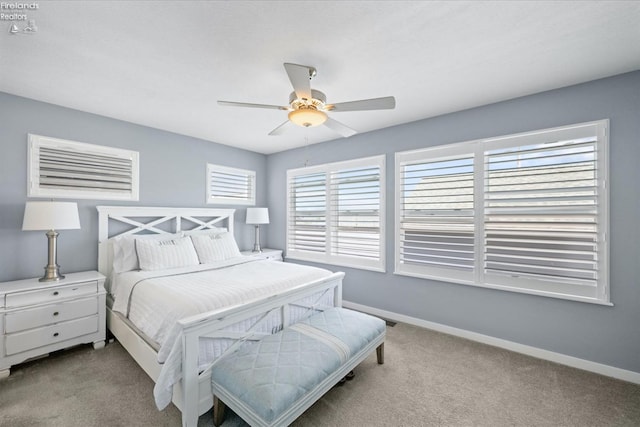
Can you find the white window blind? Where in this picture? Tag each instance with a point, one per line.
(437, 215)
(529, 210)
(355, 216)
(336, 212)
(307, 213)
(230, 186)
(541, 210)
(69, 169)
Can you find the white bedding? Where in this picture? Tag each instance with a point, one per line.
(155, 300)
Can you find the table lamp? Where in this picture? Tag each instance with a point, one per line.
(257, 216)
(51, 216)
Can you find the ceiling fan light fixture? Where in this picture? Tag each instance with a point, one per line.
(307, 117)
(308, 107)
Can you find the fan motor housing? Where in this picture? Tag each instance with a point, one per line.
(317, 101)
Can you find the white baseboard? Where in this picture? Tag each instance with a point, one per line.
(563, 359)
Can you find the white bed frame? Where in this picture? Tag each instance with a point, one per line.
(192, 395)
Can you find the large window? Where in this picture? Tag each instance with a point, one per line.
(67, 169)
(335, 213)
(525, 213)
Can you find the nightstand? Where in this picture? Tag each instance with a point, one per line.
(273, 254)
(40, 317)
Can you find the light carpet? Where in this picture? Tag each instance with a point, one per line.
(428, 379)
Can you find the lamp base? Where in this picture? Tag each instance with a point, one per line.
(52, 270)
(256, 246)
(51, 274)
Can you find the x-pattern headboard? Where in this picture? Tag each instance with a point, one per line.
(116, 221)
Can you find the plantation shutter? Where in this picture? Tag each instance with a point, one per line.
(230, 185)
(71, 169)
(64, 169)
(541, 211)
(524, 213)
(336, 213)
(355, 212)
(307, 225)
(436, 216)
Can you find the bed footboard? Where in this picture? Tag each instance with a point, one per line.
(212, 325)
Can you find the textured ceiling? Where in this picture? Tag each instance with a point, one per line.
(164, 64)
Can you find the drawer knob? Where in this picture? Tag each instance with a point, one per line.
(55, 313)
(55, 334)
(55, 293)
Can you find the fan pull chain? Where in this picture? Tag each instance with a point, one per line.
(306, 151)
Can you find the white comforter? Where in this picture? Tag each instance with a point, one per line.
(155, 300)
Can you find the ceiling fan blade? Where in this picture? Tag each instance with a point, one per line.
(281, 129)
(300, 76)
(245, 104)
(340, 128)
(386, 103)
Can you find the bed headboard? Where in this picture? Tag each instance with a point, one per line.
(116, 221)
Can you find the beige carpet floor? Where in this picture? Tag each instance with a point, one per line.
(428, 379)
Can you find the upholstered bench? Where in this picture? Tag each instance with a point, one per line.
(271, 382)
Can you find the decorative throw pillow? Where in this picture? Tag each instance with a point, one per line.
(154, 254)
(215, 247)
(124, 250)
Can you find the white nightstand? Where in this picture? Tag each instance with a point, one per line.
(274, 254)
(39, 317)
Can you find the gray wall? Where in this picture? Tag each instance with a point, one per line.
(172, 173)
(608, 335)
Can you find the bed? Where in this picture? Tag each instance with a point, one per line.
(177, 315)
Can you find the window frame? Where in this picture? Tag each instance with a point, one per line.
(327, 257)
(220, 200)
(34, 189)
(598, 294)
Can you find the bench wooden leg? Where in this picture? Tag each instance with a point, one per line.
(380, 354)
(218, 411)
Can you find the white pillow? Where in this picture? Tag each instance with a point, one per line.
(155, 254)
(124, 250)
(215, 247)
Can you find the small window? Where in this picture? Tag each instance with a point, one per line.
(230, 186)
(336, 213)
(67, 169)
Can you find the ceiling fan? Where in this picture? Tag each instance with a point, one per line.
(307, 107)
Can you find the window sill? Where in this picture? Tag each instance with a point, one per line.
(337, 263)
(509, 289)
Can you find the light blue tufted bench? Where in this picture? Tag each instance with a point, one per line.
(271, 382)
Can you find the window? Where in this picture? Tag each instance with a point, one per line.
(335, 213)
(437, 227)
(525, 213)
(69, 169)
(230, 186)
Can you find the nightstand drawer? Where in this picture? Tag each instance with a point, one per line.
(41, 296)
(272, 254)
(23, 341)
(49, 314)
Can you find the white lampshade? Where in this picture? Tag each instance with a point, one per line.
(50, 216)
(257, 216)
